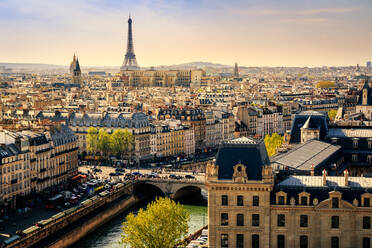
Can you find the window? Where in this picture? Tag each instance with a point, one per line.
(281, 241)
(334, 242)
(354, 158)
(335, 222)
(369, 159)
(304, 200)
(240, 219)
(367, 202)
(366, 222)
(303, 241)
(355, 143)
(224, 219)
(224, 241)
(224, 200)
(281, 200)
(256, 201)
(281, 220)
(255, 241)
(369, 144)
(239, 241)
(366, 242)
(239, 200)
(255, 220)
(303, 221)
(335, 202)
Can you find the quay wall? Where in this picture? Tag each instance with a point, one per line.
(92, 224)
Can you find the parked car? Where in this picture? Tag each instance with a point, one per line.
(189, 177)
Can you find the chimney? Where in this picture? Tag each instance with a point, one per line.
(312, 170)
(346, 176)
(324, 173)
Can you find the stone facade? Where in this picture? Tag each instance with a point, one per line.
(250, 210)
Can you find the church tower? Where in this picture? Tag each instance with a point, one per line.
(236, 71)
(75, 71)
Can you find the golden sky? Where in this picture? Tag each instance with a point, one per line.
(252, 33)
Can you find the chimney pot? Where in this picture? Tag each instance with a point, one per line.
(324, 177)
(346, 176)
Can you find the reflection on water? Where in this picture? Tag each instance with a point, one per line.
(109, 235)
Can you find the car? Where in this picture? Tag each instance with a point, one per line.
(119, 170)
(19, 211)
(172, 176)
(112, 174)
(119, 173)
(189, 177)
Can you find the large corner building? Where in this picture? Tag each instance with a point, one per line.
(249, 207)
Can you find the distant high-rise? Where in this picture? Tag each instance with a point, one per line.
(130, 62)
(236, 70)
(75, 71)
(368, 64)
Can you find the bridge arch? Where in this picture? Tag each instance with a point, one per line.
(147, 190)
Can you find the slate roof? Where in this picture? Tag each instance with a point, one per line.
(332, 182)
(294, 185)
(248, 152)
(349, 133)
(318, 120)
(369, 93)
(302, 156)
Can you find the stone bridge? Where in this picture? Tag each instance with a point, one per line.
(171, 188)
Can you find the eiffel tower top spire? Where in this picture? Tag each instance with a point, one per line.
(130, 62)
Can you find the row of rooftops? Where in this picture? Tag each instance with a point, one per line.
(12, 142)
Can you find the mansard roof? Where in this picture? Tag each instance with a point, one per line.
(251, 153)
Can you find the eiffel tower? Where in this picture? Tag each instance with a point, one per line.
(130, 62)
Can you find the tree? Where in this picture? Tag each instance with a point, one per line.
(92, 140)
(272, 142)
(161, 225)
(103, 142)
(325, 84)
(332, 114)
(121, 141)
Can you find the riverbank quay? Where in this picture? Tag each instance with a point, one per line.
(55, 228)
(187, 241)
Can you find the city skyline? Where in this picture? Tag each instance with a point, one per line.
(251, 33)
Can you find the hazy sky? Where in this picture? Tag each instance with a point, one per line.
(250, 32)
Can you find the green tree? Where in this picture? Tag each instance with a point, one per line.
(332, 114)
(161, 225)
(272, 142)
(121, 142)
(103, 142)
(92, 140)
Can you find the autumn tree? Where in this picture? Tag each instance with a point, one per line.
(103, 142)
(121, 142)
(272, 142)
(325, 84)
(162, 225)
(332, 114)
(92, 140)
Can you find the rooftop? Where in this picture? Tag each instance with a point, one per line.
(302, 156)
(332, 181)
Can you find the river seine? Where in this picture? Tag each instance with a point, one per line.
(108, 235)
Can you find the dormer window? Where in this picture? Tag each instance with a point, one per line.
(355, 143)
(304, 198)
(366, 199)
(281, 198)
(335, 202)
